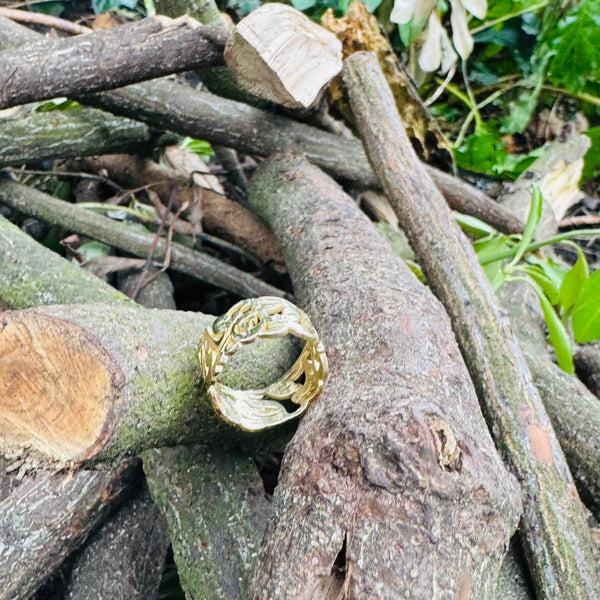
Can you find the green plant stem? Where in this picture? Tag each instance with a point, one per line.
(580, 95)
(507, 17)
(557, 239)
(473, 101)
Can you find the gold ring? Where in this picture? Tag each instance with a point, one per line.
(244, 323)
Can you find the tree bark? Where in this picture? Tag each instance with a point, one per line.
(31, 277)
(396, 433)
(587, 365)
(60, 134)
(217, 540)
(39, 269)
(40, 527)
(86, 383)
(107, 59)
(560, 552)
(253, 131)
(140, 243)
(124, 559)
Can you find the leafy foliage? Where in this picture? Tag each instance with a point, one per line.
(569, 298)
(575, 45)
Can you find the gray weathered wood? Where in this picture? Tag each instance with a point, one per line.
(392, 466)
(107, 59)
(559, 551)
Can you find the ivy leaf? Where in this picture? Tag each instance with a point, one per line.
(586, 314)
(480, 152)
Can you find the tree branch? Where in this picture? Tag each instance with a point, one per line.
(107, 59)
(560, 552)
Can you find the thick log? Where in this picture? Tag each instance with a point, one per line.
(124, 559)
(40, 269)
(250, 130)
(396, 434)
(47, 517)
(138, 242)
(217, 511)
(59, 134)
(559, 552)
(279, 54)
(29, 277)
(85, 383)
(107, 59)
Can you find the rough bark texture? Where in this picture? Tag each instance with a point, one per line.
(573, 410)
(58, 134)
(392, 467)
(40, 269)
(92, 382)
(124, 559)
(44, 519)
(35, 203)
(556, 536)
(587, 365)
(107, 59)
(216, 541)
(253, 131)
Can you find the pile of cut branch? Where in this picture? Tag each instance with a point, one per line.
(444, 424)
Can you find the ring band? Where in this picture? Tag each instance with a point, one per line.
(244, 323)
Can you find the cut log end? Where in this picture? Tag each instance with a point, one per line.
(279, 54)
(59, 389)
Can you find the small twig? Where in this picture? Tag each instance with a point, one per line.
(142, 280)
(24, 16)
(579, 220)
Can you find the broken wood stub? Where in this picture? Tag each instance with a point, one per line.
(279, 54)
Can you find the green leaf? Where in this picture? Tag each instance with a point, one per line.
(372, 4)
(592, 156)
(410, 31)
(199, 147)
(487, 248)
(549, 287)
(473, 225)
(480, 152)
(586, 313)
(556, 331)
(576, 48)
(533, 220)
(101, 6)
(303, 4)
(572, 284)
(512, 165)
(54, 9)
